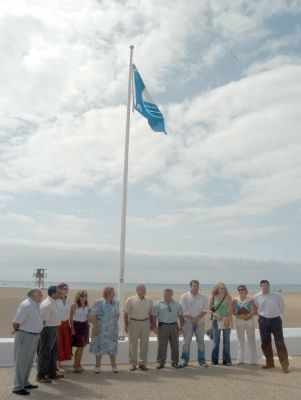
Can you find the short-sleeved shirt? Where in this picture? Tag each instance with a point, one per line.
(50, 312)
(167, 312)
(29, 316)
(194, 305)
(138, 308)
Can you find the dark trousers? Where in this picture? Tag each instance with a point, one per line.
(267, 328)
(168, 333)
(47, 352)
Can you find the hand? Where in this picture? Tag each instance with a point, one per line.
(13, 331)
(95, 331)
(126, 329)
(72, 331)
(156, 330)
(181, 330)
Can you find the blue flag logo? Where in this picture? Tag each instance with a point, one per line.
(145, 105)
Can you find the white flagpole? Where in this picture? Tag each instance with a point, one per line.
(124, 199)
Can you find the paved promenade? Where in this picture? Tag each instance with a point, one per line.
(243, 382)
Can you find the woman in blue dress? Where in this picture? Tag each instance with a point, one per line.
(104, 318)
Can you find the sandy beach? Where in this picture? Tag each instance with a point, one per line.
(11, 297)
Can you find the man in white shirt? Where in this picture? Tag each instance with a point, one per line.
(48, 344)
(27, 325)
(270, 307)
(194, 307)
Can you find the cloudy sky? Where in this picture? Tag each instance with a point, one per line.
(217, 198)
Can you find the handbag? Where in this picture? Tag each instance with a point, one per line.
(209, 332)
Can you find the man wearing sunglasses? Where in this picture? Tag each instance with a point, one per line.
(167, 313)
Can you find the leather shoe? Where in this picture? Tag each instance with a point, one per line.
(133, 368)
(143, 367)
(57, 376)
(30, 386)
(43, 379)
(22, 392)
(160, 366)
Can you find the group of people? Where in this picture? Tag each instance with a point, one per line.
(51, 328)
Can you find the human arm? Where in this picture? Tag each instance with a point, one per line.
(155, 315)
(281, 304)
(185, 310)
(15, 327)
(94, 314)
(234, 312)
(126, 322)
(19, 318)
(72, 312)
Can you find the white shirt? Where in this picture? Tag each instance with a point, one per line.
(194, 305)
(29, 316)
(269, 305)
(50, 312)
(63, 309)
(81, 314)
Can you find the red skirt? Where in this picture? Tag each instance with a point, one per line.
(65, 342)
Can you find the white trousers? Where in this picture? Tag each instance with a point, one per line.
(243, 329)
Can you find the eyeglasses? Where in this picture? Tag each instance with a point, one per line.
(241, 290)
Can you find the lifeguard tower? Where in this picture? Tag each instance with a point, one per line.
(40, 276)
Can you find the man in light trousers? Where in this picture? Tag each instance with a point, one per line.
(138, 322)
(27, 326)
(194, 307)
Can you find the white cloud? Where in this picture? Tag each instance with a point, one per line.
(231, 158)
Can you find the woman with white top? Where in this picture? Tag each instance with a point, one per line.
(244, 310)
(79, 321)
(65, 339)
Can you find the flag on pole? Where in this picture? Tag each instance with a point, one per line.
(145, 105)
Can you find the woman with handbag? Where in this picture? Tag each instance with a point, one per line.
(220, 307)
(244, 310)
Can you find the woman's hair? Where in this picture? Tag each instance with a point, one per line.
(215, 289)
(244, 287)
(79, 294)
(63, 286)
(107, 291)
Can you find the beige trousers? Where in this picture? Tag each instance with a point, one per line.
(139, 331)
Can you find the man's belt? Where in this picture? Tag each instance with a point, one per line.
(140, 320)
(166, 323)
(31, 333)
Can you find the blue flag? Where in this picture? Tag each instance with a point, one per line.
(145, 105)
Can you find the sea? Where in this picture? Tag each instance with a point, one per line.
(253, 288)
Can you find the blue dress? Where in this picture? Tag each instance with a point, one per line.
(107, 318)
